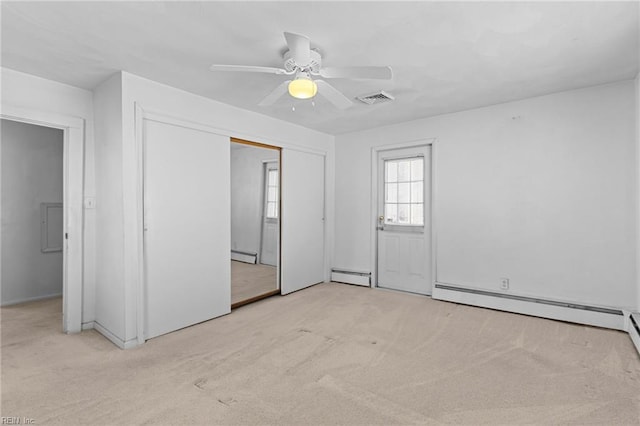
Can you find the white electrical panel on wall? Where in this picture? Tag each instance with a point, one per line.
(51, 227)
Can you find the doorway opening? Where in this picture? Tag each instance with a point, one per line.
(255, 221)
(403, 219)
(32, 261)
(72, 129)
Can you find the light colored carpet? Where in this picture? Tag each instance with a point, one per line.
(249, 280)
(331, 354)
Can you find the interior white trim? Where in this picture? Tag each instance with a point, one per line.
(31, 299)
(374, 202)
(178, 121)
(139, 116)
(73, 194)
(113, 338)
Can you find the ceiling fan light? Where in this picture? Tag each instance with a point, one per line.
(303, 88)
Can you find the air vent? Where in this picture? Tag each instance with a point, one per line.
(375, 98)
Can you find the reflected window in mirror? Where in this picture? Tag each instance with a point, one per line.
(272, 193)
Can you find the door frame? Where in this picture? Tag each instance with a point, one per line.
(73, 207)
(374, 204)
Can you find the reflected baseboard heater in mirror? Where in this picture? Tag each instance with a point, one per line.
(244, 256)
(351, 277)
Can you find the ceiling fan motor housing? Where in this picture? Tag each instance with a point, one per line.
(313, 66)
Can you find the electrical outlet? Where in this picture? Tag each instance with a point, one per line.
(504, 283)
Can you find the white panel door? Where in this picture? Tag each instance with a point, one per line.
(270, 215)
(404, 219)
(187, 227)
(302, 220)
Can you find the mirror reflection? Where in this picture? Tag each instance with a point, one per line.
(255, 222)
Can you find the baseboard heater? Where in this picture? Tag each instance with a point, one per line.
(351, 277)
(244, 256)
(564, 311)
(634, 329)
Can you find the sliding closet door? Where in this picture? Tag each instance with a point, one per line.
(187, 236)
(302, 263)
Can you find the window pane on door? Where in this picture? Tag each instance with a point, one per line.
(417, 192)
(403, 214)
(391, 213)
(391, 192)
(417, 214)
(273, 178)
(417, 170)
(271, 210)
(403, 171)
(404, 191)
(272, 193)
(391, 172)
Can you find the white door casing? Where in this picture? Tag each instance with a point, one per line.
(302, 220)
(73, 213)
(270, 215)
(404, 238)
(186, 226)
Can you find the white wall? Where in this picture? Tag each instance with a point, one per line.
(541, 191)
(27, 91)
(31, 174)
(110, 293)
(247, 186)
(159, 98)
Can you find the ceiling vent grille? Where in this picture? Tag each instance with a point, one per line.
(375, 98)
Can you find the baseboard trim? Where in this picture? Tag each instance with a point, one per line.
(553, 309)
(88, 325)
(30, 299)
(351, 277)
(122, 344)
(244, 256)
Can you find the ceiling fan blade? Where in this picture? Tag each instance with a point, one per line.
(247, 68)
(275, 94)
(300, 47)
(377, 73)
(333, 95)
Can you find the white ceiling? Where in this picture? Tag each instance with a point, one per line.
(446, 57)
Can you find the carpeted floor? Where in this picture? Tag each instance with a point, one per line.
(331, 354)
(249, 280)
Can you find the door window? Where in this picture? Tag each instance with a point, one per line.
(272, 193)
(404, 191)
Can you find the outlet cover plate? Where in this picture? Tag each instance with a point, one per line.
(504, 283)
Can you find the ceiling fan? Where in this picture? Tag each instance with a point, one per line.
(304, 64)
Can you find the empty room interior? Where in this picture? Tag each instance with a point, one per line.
(320, 212)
